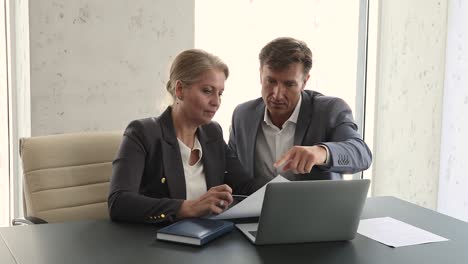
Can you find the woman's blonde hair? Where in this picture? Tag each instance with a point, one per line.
(190, 64)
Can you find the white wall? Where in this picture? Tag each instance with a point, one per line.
(4, 146)
(96, 65)
(409, 90)
(453, 182)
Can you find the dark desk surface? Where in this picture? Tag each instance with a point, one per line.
(107, 242)
(5, 254)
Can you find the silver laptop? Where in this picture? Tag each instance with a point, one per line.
(308, 211)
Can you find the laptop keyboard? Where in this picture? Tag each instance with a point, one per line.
(253, 233)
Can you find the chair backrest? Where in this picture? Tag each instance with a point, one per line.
(66, 177)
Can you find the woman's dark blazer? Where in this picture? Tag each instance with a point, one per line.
(148, 182)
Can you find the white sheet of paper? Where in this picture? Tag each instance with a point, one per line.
(395, 233)
(250, 206)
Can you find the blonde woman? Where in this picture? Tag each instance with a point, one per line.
(177, 165)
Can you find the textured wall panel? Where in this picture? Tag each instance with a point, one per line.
(409, 100)
(453, 184)
(96, 65)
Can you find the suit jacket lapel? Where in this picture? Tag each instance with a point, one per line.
(214, 169)
(173, 169)
(252, 132)
(304, 118)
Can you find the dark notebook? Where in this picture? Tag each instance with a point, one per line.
(195, 231)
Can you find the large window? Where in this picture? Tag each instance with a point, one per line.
(237, 30)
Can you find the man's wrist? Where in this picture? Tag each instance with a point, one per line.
(327, 156)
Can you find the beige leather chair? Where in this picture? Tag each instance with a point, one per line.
(66, 177)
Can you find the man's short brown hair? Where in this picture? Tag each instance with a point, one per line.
(279, 53)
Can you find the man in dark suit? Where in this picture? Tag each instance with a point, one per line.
(300, 134)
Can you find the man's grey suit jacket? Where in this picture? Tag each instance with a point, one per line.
(322, 120)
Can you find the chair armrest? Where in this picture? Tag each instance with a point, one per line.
(28, 220)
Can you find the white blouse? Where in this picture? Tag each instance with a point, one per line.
(195, 181)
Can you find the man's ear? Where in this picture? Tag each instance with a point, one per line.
(305, 81)
(260, 74)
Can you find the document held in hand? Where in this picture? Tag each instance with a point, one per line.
(250, 206)
(194, 231)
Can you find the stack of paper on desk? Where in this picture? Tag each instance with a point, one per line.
(250, 206)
